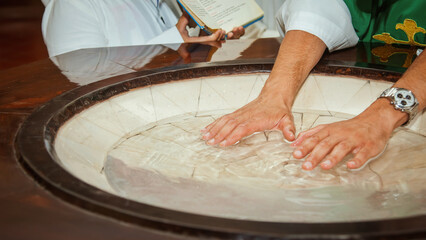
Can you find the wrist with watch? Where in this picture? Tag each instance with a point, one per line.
(403, 100)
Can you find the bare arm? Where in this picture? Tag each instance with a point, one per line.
(365, 135)
(298, 54)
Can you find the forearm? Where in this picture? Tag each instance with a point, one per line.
(414, 79)
(299, 53)
(383, 112)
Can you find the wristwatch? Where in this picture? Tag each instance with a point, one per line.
(402, 100)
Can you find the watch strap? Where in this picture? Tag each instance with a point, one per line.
(390, 94)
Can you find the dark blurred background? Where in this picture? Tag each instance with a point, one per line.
(21, 41)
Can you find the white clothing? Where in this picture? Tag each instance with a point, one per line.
(329, 20)
(70, 25)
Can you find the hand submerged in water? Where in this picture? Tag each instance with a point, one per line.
(263, 113)
(326, 145)
(365, 136)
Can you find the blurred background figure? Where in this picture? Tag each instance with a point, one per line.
(69, 25)
(21, 20)
(77, 24)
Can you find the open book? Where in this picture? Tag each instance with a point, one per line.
(212, 15)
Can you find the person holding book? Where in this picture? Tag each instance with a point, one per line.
(311, 27)
(70, 25)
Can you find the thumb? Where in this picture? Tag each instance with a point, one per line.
(286, 125)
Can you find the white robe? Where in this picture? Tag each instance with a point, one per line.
(70, 25)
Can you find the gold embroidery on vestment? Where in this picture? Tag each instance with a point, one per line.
(411, 29)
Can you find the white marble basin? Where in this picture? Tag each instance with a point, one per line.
(146, 145)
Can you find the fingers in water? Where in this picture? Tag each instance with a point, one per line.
(213, 129)
(217, 131)
(320, 147)
(206, 131)
(221, 133)
(359, 159)
(208, 127)
(306, 134)
(308, 144)
(363, 157)
(230, 129)
(241, 131)
(337, 154)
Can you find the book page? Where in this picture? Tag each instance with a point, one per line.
(196, 7)
(232, 13)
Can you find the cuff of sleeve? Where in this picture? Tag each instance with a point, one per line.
(330, 33)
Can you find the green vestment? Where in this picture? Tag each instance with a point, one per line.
(390, 21)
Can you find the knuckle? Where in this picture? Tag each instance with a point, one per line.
(344, 146)
(232, 121)
(369, 145)
(214, 129)
(313, 159)
(236, 136)
(333, 159)
(325, 143)
(314, 139)
(242, 128)
(221, 135)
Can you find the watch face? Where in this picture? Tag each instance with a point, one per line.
(404, 99)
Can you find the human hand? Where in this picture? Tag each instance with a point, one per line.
(236, 33)
(183, 22)
(263, 113)
(365, 137)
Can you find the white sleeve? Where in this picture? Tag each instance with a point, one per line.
(329, 20)
(69, 25)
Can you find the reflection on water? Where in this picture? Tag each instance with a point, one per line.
(168, 165)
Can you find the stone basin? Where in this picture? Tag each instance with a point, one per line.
(133, 150)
